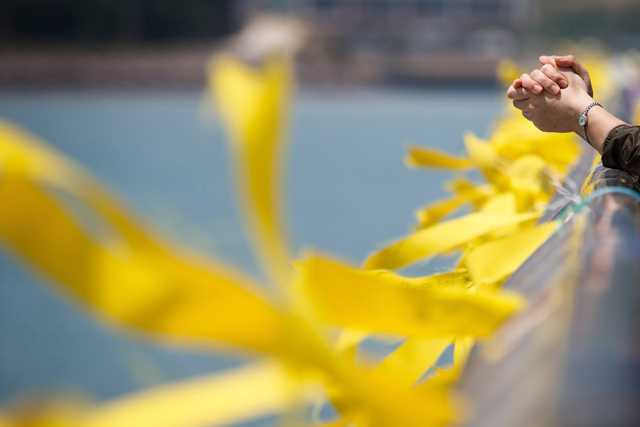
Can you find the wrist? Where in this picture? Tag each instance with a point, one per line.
(578, 108)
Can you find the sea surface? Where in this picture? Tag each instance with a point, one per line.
(164, 153)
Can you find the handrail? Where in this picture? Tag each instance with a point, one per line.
(573, 359)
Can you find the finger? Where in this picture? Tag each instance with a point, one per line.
(527, 115)
(550, 60)
(570, 61)
(530, 84)
(517, 83)
(518, 94)
(553, 74)
(544, 81)
(523, 105)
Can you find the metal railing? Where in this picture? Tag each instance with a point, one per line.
(573, 359)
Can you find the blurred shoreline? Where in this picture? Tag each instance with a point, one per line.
(180, 66)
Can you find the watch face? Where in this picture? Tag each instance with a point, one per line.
(582, 120)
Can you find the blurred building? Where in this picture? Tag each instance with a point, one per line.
(398, 26)
(404, 40)
(167, 42)
(112, 22)
(161, 43)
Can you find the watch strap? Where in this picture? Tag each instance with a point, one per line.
(584, 114)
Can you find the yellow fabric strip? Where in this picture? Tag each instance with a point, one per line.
(485, 156)
(481, 152)
(515, 137)
(429, 157)
(432, 213)
(526, 174)
(456, 280)
(497, 259)
(507, 71)
(475, 193)
(219, 400)
(253, 104)
(503, 203)
(348, 338)
(461, 351)
(465, 192)
(409, 362)
(139, 281)
(369, 301)
(392, 406)
(441, 238)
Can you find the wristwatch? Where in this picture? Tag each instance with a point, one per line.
(582, 120)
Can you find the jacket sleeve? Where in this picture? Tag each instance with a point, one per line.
(621, 150)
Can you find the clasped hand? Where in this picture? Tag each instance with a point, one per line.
(554, 96)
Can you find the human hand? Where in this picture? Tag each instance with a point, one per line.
(548, 77)
(554, 112)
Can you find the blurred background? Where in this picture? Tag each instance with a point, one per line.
(167, 42)
(118, 85)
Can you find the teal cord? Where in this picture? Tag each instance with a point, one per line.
(599, 192)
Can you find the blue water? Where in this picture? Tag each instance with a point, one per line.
(348, 191)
